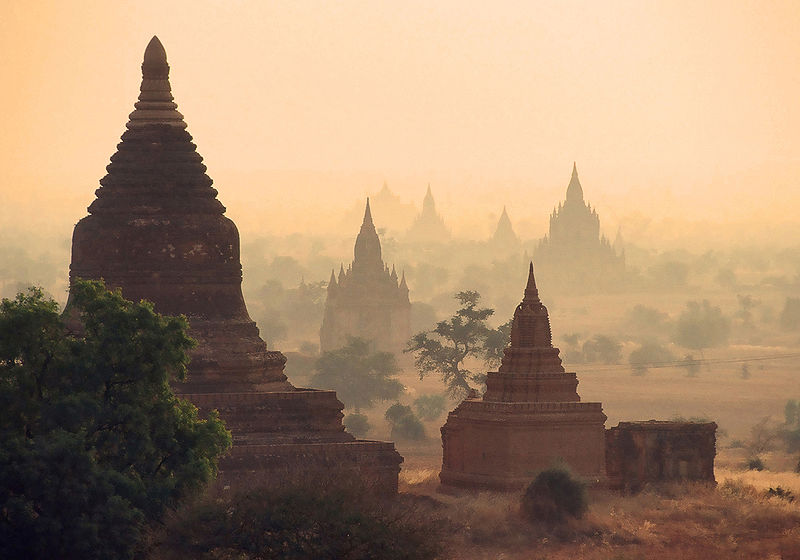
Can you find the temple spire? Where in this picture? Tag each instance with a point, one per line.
(531, 291)
(332, 281)
(574, 189)
(367, 252)
(367, 215)
(155, 105)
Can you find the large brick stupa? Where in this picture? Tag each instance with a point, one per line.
(157, 231)
(530, 417)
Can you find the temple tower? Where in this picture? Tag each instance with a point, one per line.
(574, 255)
(429, 226)
(504, 238)
(368, 300)
(157, 231)
(530, 416)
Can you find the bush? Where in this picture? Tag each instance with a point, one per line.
(405, 425)
(357, 424)
(430, 407)
(554, 494)
(302, 524)
(755, 464)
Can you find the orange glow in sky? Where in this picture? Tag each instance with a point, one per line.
(674, 110)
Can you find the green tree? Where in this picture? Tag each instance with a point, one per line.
(405, 425)
(701, 326)
(496, 342)
(430, 407)
(359, 377)
(444, 349)
(94, 446)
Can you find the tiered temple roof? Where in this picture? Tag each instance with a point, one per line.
(529, 417)
(367, 300)
(574, 254)
(157, 231)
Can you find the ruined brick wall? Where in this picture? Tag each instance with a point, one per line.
(638, 453)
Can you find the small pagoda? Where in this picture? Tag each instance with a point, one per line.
(158, 232)
(530, 417)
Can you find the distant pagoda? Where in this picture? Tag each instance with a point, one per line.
(504, 238)
(529, 418)
(575, 255)
(157, 231)
(429, 226)
(367, 300)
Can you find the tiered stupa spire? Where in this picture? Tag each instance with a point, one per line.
(531, 368)
(529, 417)
(157, 230)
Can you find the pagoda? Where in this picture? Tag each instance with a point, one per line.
(504, 238)
(574, 255)
(429, 226)
(367, 300)
(529, 418)
(157, 231)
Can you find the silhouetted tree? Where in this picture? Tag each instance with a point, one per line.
(94, 446)
(444, 349)
(430, 407)
(650, 353)
(405, 425)
(359, 376)
(602, 348)
(701, 326)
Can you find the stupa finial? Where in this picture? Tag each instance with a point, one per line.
(155, 105)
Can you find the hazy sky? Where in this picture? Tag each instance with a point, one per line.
(671, 109)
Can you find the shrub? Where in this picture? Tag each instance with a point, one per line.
(405, 425)
(782, 493)
(357, 424)
(554, 494)
(430, 407)
(755, 464)
(302, 524)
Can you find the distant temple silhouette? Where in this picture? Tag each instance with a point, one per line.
(504, 235)
(367, 300)
(575, 254)
(429, 226)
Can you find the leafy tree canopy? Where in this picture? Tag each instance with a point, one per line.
(93, 443)
(702, 325)
(444, 349)
(359, 376)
